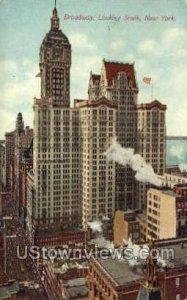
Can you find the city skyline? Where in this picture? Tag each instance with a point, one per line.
(127, 41)
(91, 175)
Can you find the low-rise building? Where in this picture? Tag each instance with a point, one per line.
(113, 279)
(174, 175)
(125, 226)
(8, 288)
(167, 212)
(142, 221)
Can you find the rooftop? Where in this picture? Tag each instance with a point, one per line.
(175, 170)
(95, 77)
(151, 105)
(96, 103)
(121, 272)
(114, 68)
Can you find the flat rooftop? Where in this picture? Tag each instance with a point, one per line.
(54, 231)
(171, 193)
(179, 246)
(120, 271)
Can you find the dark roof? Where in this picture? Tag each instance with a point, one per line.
(55, 36)
(151, 105)
(96, 103)
(113, 68)
(95, 77)
(77, 287)
(120, 271)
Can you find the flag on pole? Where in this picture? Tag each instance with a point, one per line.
(147, 80)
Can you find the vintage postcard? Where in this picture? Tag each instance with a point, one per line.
(93, 149)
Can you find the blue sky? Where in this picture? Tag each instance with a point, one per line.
(158, 49)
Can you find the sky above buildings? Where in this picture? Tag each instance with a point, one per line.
(158, 49)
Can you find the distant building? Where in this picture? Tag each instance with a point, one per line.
(2, 173)
(17, 145)
(73, 279)
(167, 212)
(142, 221)
(126, 227)
(173, 175)
(30, 204)
(2, 244)
(2, 165)
(23, 142)
(9, 156)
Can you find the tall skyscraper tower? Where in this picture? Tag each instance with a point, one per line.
(56, 200)
(151, 138)
(17, 159)
(55, 63)
(72, 182)
(118, 83)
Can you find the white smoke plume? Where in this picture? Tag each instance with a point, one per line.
(96, 226)
(101, 242)
(105, 218)
(126, 157)
(183, 167)
(136, 258)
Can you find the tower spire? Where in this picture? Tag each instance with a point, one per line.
(55, 19)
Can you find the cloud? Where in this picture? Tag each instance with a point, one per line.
(80, 75)
(8, 119)
(181, 53)
(18, 87)
(148, 47)
(81, 41)
(177, 151)
(117, 45)
(87, 60)
(168, 68)
(8, 67)
(177, 120)
(174, 34)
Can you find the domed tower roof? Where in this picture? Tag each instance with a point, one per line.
(55, 36)
(19, 114)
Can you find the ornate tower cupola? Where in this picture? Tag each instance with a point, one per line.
(55, 22)
(19, 123)
(55, 63)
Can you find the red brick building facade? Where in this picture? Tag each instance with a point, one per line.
(113, 279)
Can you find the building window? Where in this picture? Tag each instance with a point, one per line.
(177, 281)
